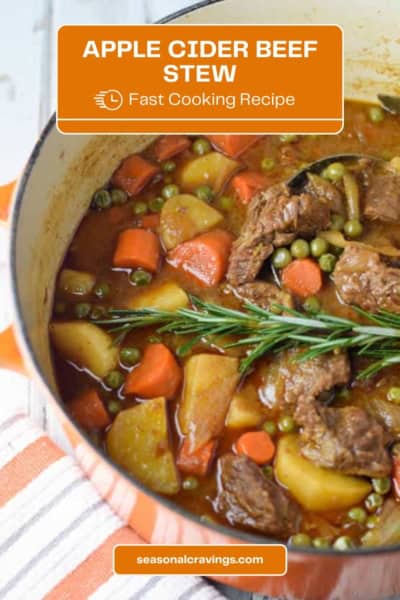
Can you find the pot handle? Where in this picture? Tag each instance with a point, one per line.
(10, 356)
(6, 193)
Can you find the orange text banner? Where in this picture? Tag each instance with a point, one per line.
(200, 78)
(241, 559)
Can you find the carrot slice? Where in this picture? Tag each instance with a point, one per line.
(168, 146)
(257, 445)
(137, 248)
(157, 375)
(88, 409)
(205, 257)
(150, 221)
(133, 174)
(247, 184)
(303, 277)
(197, 462)
(233, 145)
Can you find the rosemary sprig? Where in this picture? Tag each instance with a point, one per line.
(263, 331)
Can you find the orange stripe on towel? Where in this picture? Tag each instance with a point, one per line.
(94, 571)
(27, 465)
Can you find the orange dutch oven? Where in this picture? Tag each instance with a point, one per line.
(47, 205)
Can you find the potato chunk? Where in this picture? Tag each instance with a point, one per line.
(209, 383)
(75, 283)
(213, 169)
(185, 216)
(245, 409)
(167, 296)
(86, 345)
(138, 441)
(315, 488)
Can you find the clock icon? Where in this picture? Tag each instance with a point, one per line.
(109, 99)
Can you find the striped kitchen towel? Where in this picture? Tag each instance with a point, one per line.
(56, 533)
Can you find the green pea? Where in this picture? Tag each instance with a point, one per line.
(268, 471)
(129, 355)
(386, 154)
(321, 543)
(334, 171)
(342, 543)
(168, 166)
(114, 380)
(327, 262)
(372, 521)
(267, 163)
(318, 246)
(201, 146)
(300, 248)
(102, 199)
(82, 310)
(270, 427)
(312, 305)
(118, 196)
(140, 208)
(190, 483)
(101, 290)
(281, 258)
(114, 407)
(337, 222)
(288, 138)
(156, 204)
(300, 539)
(286, 424)
(140, 277)
(382, 485)
(97, 312)
(204, 192)
(226, 203)
(376, 114)
(60, 308)
(394, 395)
(169, 191)
(373, 502)
(353, 228)
(357, 514)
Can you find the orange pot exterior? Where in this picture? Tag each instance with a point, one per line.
(6, 192)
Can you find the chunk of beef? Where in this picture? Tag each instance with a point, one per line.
(318, 186)
(347, 439)
(290, 383)
(274, 219)
(382, 196)
(263, 294)
(363, 278)
(246, 497)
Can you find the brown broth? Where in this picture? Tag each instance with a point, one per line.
(92, 249)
